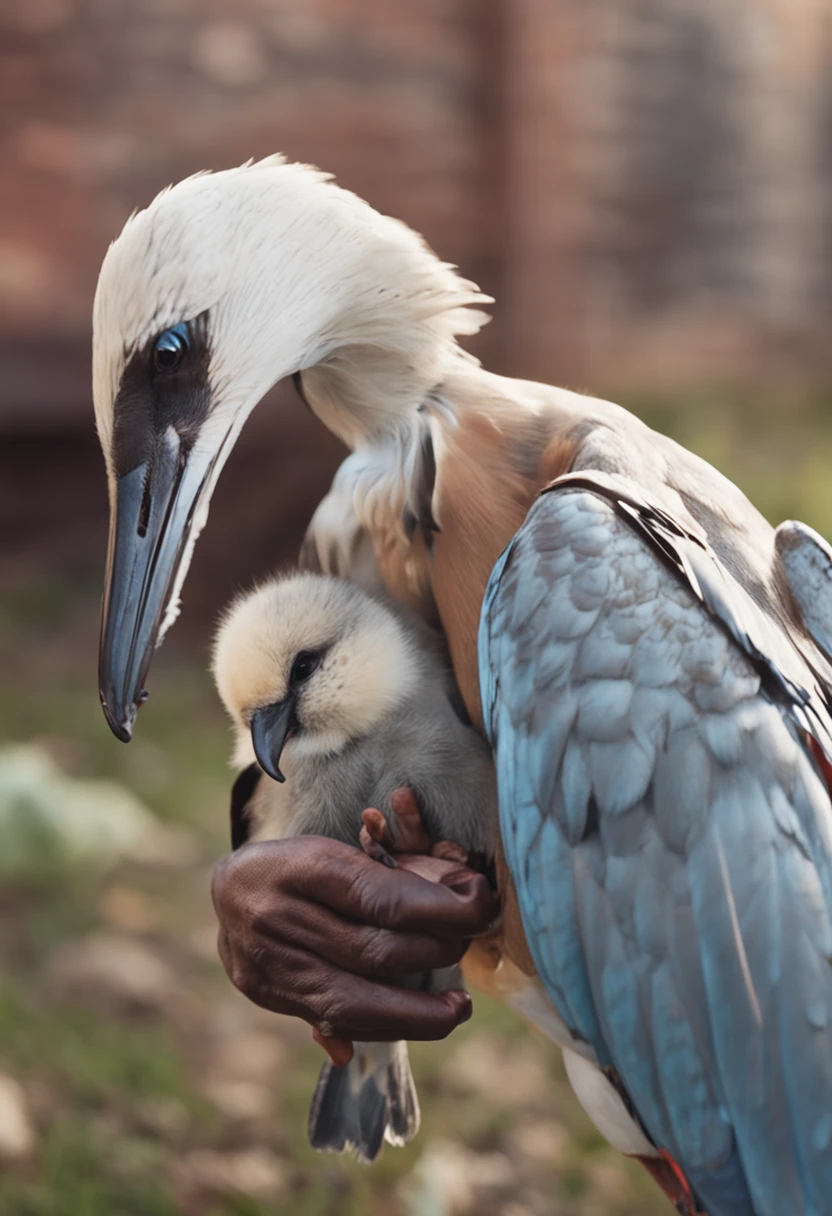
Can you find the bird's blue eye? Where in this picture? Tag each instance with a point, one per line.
(170, 348)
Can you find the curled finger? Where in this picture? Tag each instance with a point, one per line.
(350, 883)
(363, 1011)
(358, 948)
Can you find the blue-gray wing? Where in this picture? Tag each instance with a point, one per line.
(669, 834)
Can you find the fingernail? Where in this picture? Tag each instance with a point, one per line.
(464, 887)
(466, 1009)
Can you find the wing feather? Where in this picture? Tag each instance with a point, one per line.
(670, 836)
(806, 561)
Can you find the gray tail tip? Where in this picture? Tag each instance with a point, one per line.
(356, 1108)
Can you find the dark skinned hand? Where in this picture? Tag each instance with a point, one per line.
(315, 928)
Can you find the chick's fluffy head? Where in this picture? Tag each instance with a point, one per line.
(367, 665)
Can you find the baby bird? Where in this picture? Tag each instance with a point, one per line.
(341, 699)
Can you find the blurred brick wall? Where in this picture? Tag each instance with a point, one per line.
(645, 185)
(103, 103)
(707, 156)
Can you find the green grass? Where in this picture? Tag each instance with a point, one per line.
(92, 1059)
(73, 1180)
(94, 1159)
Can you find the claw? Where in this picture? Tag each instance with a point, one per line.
(375, 849)
(375, 838)
(376, 827)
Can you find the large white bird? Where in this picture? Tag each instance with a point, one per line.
(653, 665)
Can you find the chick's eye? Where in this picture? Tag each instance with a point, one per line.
(170, 349)
(303, 666)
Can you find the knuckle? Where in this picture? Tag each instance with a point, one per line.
(223, 947)
(260, 913)
(357, 892)
(242, 976)
(388, 909)
(333, 1014)
(246, 965)
(228, 887)
(257, 956)
(377, 951)
(250, 867)
(375, 906)
(219, 882)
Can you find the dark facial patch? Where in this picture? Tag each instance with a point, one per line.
(149, 399)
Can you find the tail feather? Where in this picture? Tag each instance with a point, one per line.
(373, 1098)
(403, 1116)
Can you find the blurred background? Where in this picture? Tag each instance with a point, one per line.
(645, 186)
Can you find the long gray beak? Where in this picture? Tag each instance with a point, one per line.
(150, 526)
(270, 728)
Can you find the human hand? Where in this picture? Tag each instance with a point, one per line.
(314, 928)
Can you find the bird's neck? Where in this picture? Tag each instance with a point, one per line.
(508, 441)
(369, 394)
(386, 409)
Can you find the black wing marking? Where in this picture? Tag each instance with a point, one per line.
(242, 792)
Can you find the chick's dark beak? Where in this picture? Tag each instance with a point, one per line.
(270, 728)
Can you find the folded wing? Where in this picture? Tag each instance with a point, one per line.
(670, 835)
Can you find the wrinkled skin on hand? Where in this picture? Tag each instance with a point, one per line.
(317, 929)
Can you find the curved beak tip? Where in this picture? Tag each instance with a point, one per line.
(270, 728)
(122, 727)
(268, 766)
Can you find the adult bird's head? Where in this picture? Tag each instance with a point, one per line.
(227, 283)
